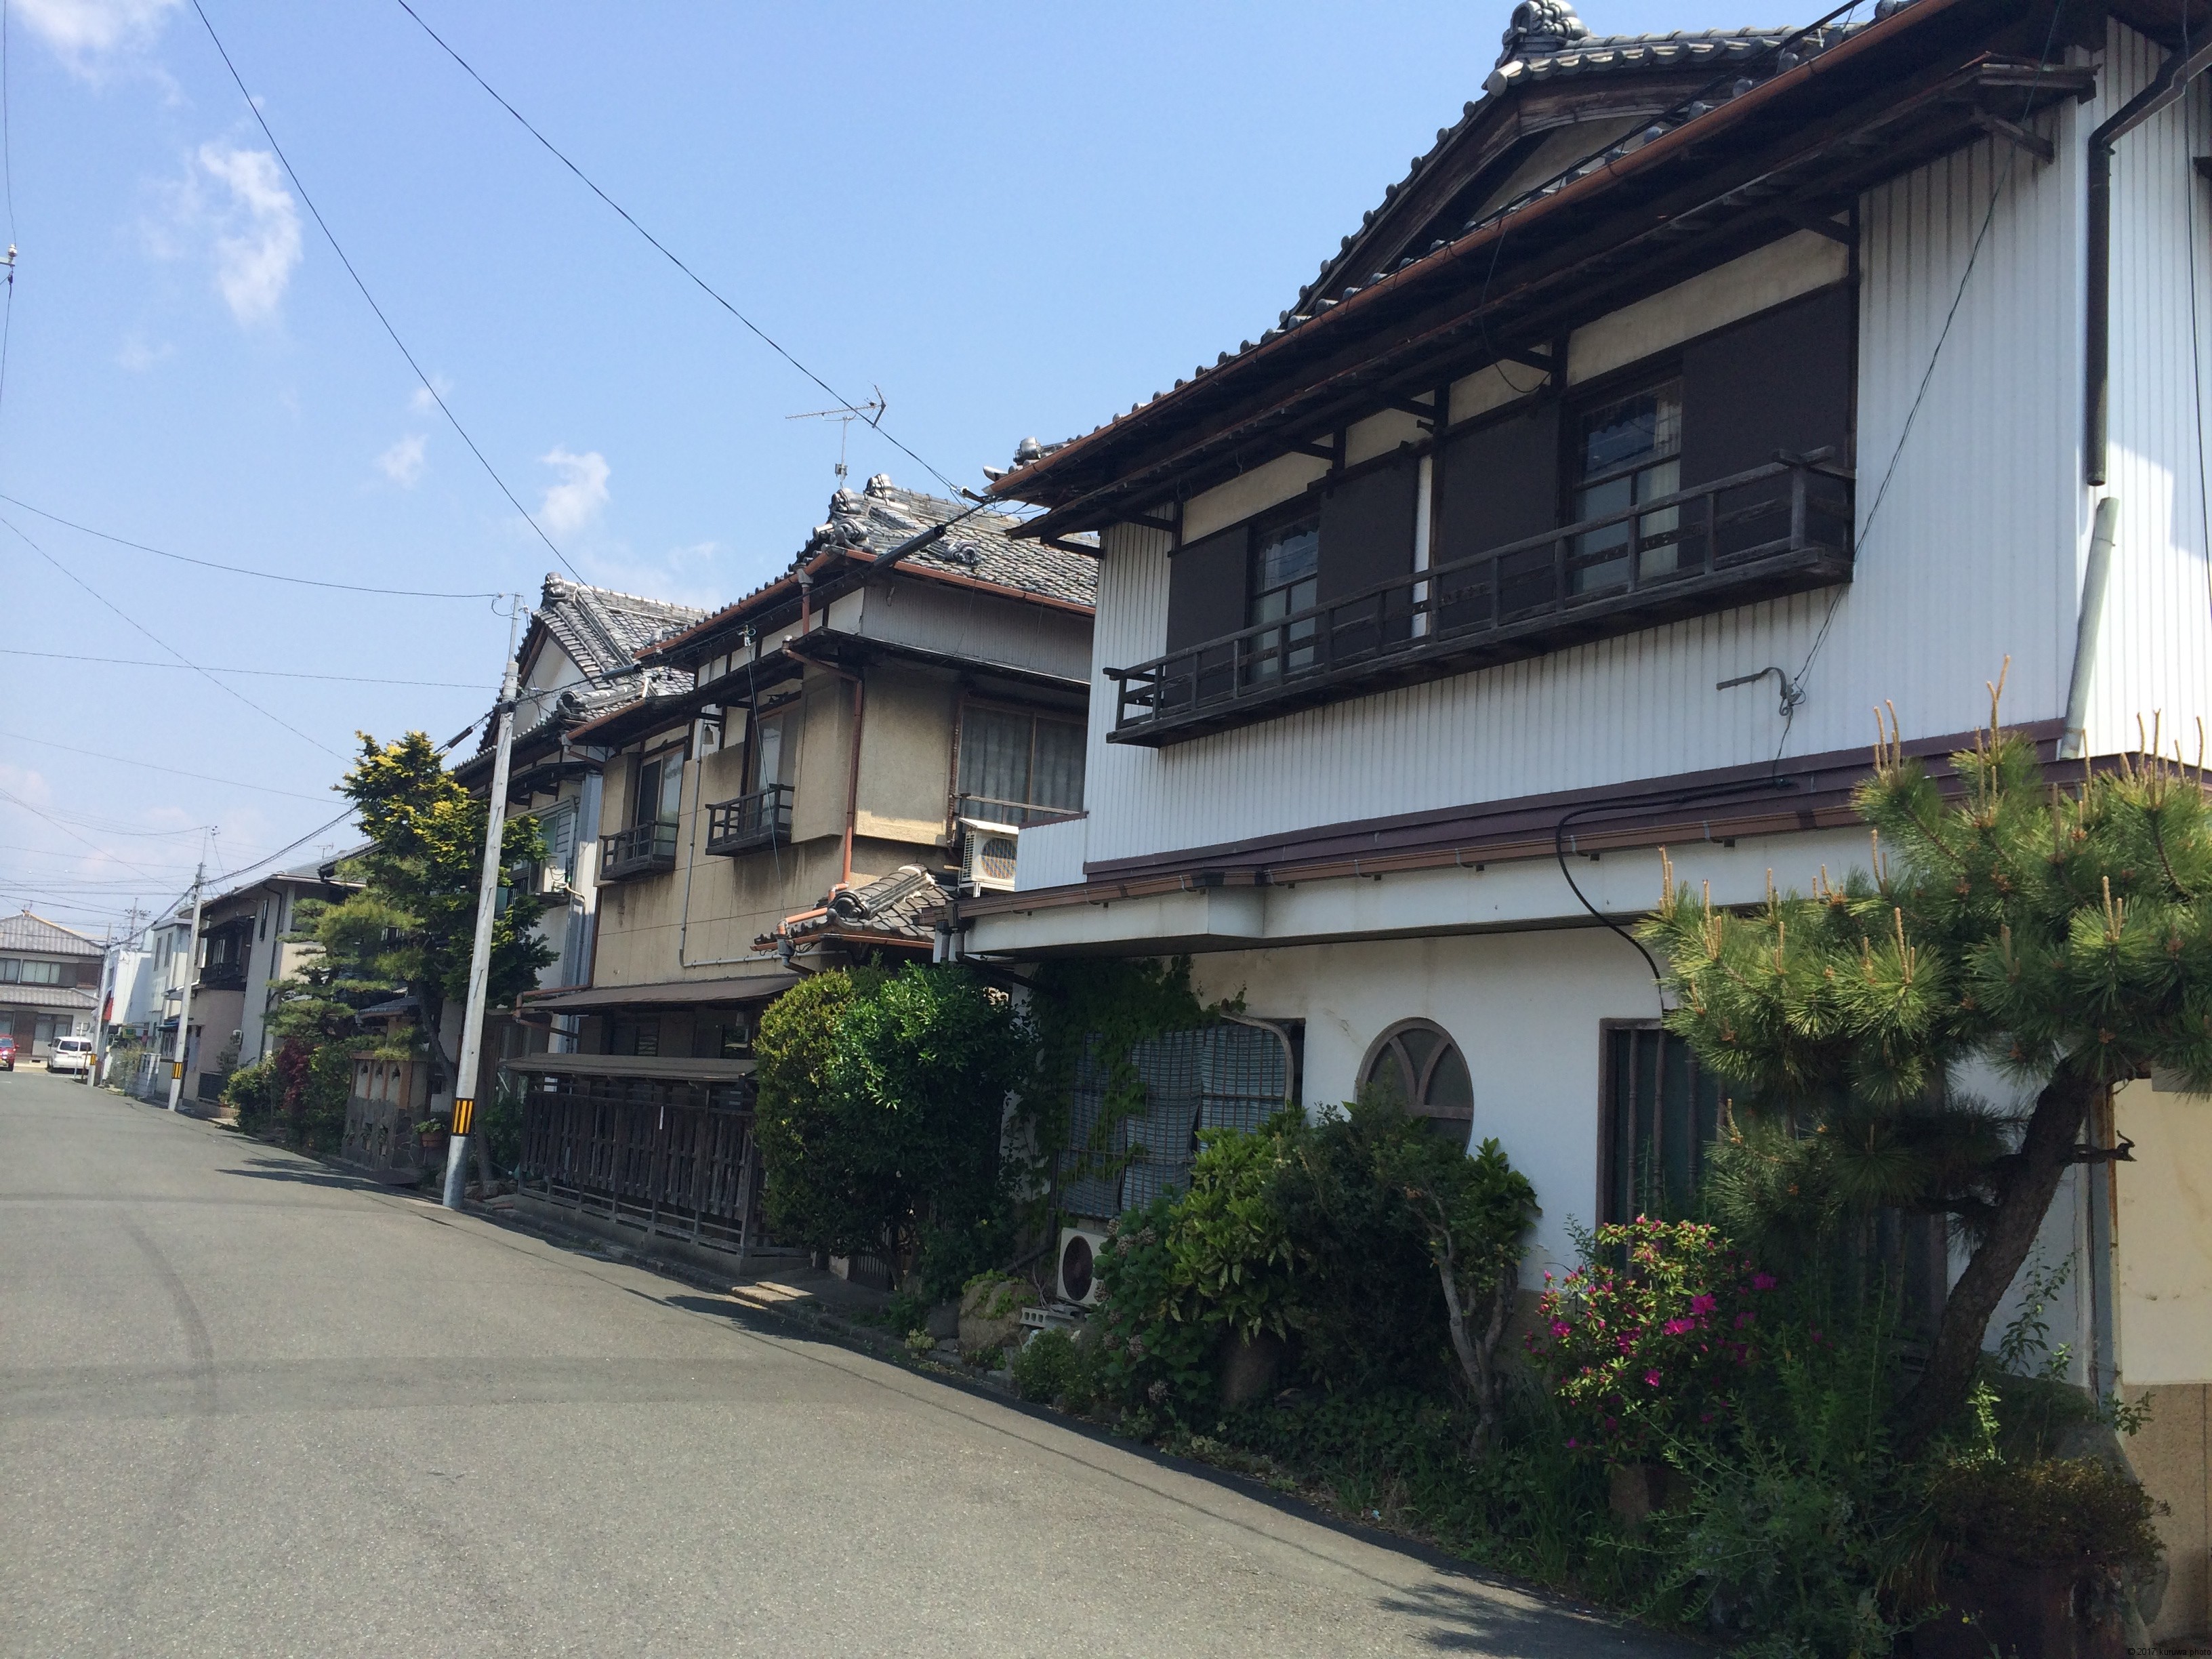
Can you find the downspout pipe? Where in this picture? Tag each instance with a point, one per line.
(2094, 580)
(2165, 87)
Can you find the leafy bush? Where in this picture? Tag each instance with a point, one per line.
(1353, 1231)
(1052, 1368)
(796, 1119)
(2050, 1512)
(1656, 1345)
(1230, 1255)
(882, 1105)
(252, 1092)
(1798, 1531)
(1153, 1362)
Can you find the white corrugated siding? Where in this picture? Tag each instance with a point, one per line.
(1972, 557)
(2155, 650)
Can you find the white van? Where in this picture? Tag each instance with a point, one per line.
(70, 1054)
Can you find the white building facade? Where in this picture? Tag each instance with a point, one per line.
(1398, 691)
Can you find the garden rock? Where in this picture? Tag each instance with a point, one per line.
(990, 1314)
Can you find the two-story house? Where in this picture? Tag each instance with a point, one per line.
(875, 728)
(579, 661)
(249, 943)
(49, 982)
(1690, 394)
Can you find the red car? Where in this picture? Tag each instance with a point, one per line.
(7, 1052)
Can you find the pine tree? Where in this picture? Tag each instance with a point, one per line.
(2063, 932)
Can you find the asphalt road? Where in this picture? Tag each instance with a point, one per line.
(248, 1406)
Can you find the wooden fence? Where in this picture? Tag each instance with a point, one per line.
(676, 1158)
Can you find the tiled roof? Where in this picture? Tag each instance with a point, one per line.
(901, 906)
(25, 931)
(1547, 42)
(870, 522)
(602, 632)
(47, 996)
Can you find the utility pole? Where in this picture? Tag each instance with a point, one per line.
(185, 1008)
(465, 1105)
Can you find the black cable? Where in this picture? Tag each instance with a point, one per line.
(266, 674)
(151, 766)
(262, 121)
(1689, 797)
(165, 645)
(36, 811)
(1973, 255)
(661, 248)
(210, 564)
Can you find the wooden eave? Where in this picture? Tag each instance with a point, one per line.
(1476, 160)
(1802, 145)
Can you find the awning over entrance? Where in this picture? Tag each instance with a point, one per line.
(677, 993)
(672, 1069)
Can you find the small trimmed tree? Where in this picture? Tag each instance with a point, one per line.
(2064, 933)
(414, 921)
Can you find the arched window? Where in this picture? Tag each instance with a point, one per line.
(1417, 1063)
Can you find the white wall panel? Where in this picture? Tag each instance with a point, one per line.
(2155, 650)
(1972, 555)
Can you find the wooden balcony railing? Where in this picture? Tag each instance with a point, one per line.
(760, 819)
(643, 849)
(1780, 528)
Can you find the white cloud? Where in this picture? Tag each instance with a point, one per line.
(138, 355)
(27, 782)
(256, 243)
(421, 403)
(687, 575)
(403, 462)
(83, 33)
(576, 499)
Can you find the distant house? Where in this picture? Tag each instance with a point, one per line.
(877, 728)
(580, 659)
(49, 983)
(243, 955)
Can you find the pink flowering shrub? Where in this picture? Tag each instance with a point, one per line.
(1655, 1337)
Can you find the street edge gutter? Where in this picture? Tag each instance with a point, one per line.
(814, 1320)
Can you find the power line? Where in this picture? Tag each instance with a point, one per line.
(239, 570)
(103, 851)
(661, 248)
(270, 858)
(166, 645)
(262, 121)
(151, 766)
(271, 673)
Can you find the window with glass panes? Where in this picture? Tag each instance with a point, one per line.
(1627, 452)
(1285, 579)
(1017, 767)
(1662, 1113)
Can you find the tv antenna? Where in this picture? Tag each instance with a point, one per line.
(845, 414)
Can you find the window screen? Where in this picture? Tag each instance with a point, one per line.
(1662, 1113)
(1016, 767)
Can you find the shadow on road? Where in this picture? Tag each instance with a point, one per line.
(1478, 1619)
(306, 1175)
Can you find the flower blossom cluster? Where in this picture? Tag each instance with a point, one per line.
(1652, 1337)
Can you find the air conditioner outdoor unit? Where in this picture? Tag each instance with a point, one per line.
(1079, 1249)
(986, 855)
(552, 881)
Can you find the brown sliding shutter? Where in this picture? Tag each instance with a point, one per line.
(1206, 588)
(1367, 529)
(1779, 380)
(1499, 483)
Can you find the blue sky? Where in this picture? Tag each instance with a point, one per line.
(1012, 220)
